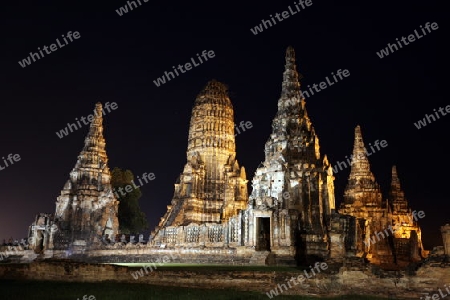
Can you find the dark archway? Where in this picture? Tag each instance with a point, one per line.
(263, 229)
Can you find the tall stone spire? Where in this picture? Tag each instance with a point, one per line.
(294, 179)
(92, 168)
(87, 208)
(212, 186)
(361, 182)
(396, 194)
(406, 226)
(396, 189)
(291, 102)
(94, 153)
(360, 162)
(291, 85)
(291, 123)
(364, 201)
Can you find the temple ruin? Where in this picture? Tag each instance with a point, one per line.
(387, 231)
(289, 217)
(86, 210)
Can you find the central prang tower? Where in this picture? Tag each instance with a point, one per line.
(212, 187)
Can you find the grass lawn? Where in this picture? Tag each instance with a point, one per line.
(202, 267)
(46, 290)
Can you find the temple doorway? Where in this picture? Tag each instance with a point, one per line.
(263, 230)
(39, 242)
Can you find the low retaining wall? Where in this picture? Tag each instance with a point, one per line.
(398, 285)
(229, 256)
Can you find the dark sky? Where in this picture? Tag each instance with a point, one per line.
(117, 58)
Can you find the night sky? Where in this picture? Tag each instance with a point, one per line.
(117, 58)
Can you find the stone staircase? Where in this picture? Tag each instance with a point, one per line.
(259, 258)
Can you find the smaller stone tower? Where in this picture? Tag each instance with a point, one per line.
(364, 201)
(87, 210)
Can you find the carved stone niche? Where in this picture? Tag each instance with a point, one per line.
(268, 201)
(265, 203)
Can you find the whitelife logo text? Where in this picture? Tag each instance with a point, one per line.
(53, 47)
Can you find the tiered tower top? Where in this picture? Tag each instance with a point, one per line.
(362, 186)
(212, 122)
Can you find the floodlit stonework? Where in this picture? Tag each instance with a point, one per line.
(289, 218)
(288, 215)
(293, 193)
(212, 187)
(387, 232)
(408, 235)
(87, 209)
(445, 230)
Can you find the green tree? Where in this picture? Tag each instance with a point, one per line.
(131, 219)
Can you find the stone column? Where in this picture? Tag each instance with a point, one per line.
(251, 230)
(445, 230)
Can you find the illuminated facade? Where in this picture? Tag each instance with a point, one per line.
(289, 217)
(293, 189)
(87, 209)
(387, 231)
(212, 187)
(289, 211)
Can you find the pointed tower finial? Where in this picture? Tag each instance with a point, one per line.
(360, 162)
(291, 84)
(94, 142)
(395, 183)
(396, 194)
(243, 173)
(361, 184)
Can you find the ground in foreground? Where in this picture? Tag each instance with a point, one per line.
(45, 290)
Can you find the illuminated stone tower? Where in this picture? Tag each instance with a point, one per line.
(212, 187)
(363, 199)
(397, 196)
(87, 209)
(407, 236)
(293, 191)
(362, 189)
